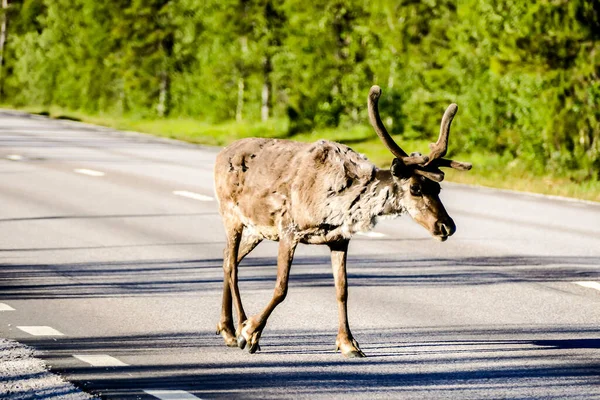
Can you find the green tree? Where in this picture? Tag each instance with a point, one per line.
(525, 73)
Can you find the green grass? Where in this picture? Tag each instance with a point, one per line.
(488, 169)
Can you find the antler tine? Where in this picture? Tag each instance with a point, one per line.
(436, 176)
(459, 165)
(375, 120)
(439, 148)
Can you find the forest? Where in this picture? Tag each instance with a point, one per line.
(525, 73)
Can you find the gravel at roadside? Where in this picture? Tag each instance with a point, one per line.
(23, 376)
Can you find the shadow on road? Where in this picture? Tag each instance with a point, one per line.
(570, 343)
(410, 363)
(177, 276)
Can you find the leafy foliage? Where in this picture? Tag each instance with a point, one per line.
(525, 73)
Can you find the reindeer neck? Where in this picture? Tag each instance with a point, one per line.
(388, 194)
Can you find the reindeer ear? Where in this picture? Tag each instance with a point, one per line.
(399, 169)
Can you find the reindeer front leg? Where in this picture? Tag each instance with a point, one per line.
(253, 327)
(344, 342)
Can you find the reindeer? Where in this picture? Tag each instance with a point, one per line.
(318, 193)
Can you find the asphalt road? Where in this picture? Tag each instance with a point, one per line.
(99, 242)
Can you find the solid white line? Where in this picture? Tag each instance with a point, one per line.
(40, 330)
(530, 194)
(6, 307)
(14, 157)
(192, 195)
(100, 360)
(589, 284)
(171, 394)
(372, 234)
(89, 172)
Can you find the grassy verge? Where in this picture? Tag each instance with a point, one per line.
(489, 169)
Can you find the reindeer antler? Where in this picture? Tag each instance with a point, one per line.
(439, 148)
(383, 134)
(427, 166)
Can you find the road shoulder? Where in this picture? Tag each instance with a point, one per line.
(23, 376)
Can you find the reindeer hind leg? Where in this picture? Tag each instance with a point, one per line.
(238, 246)
(253, 327)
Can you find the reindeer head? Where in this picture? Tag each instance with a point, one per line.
(419, 176)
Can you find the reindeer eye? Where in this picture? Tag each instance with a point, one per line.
(415, 190)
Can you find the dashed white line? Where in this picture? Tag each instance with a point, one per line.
(372, 234)
(171, 394)
(6, 307)
(589, 284)
(100, 360)
(89, 172)
(192, 195)
(40, 330)
(14, 157)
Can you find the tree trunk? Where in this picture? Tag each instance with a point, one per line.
(266, 90)
(240, 101)
(239, 116)
(121, 102)
(163, 94)
(3, 23)
(393, 67)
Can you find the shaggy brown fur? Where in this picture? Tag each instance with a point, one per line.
(314, 189)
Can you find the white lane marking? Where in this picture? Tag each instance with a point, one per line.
(89, 172)
(6, 307)
(40, 330)
(14, 157)
(530, 194)
(589, 284)
(372, 234)
(171, 394)
(100, 360)
(192, 195)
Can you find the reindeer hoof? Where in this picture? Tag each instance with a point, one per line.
(249, 335)
(241, 342)
(254, 348)
(349, 348)
(354, 354)
(227, 334)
